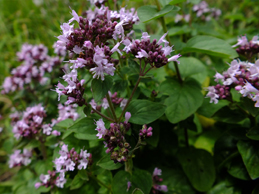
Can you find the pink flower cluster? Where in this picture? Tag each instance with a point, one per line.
(202, 10)
(145, 132)
(51, 180)
(68, 161)
(74, 89)
(243, 76)
(66, 112)
(20, 159)
(35, 63)
(152, 53)
(115, 100)
(31, 123)
(247, 48)
(156, 179)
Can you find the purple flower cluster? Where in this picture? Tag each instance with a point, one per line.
(51, 180)
(115, 138)
(156, 179)
(31, 123)
(145, 132)
(202, 10)
(35, 63)
(179, 17)
(66, 112)
(247, 48)
(69, 160)
(74, 89)
(89, 43)
(151, 52)
(243, 76)
(115, 100)
(20, 159)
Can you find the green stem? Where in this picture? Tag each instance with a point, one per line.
(111, 107)
(43, 150)
(162, 19)
(102, 115)
(133, 91)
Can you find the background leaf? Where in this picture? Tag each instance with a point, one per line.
(211, 46)
(100, 88)
(199, 167)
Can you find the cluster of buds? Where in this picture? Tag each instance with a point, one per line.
(20, 159)
(115, 138)
(74, 90)
(51, 180)
(247, 48)
(116, 101)
(70, 160)
(152, 53)
(243, 76)
(145, 132)
(31, 123)
(156, 179)
(35, 63)
(204, 12)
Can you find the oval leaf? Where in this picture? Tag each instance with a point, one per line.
(108, 164)
(199, 167)
(148, 12)
(250, 156)
(145, 111)
(211, 46)
(184, 99)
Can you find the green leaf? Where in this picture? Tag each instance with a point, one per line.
(108, 164)
(253, 133)
(199, 167)
(84, 129)
(191, 67)
(224, 188)
(137, 191)
(249, 151)
(171, 2)
(237, 169)
(208, 109)
(100, 88)
(184, 98)
(76, 183)
(148, 12)
(83, 175)
(211, 46)
(119, 183)
(145, 111)
(140, 179)
(176, 30)
(178, 183)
